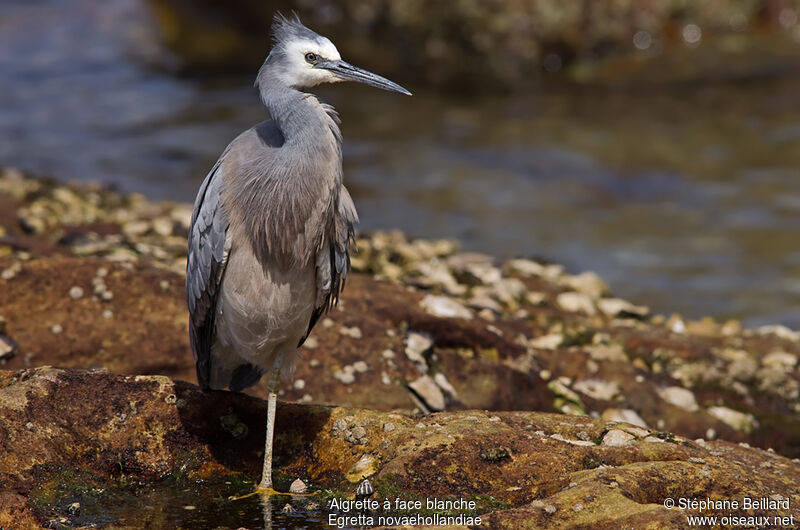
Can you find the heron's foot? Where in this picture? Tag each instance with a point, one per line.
(260, 490)
(268, 491)
(240, 497)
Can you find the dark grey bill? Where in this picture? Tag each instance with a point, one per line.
(349, 72)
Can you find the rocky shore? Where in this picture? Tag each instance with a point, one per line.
(502, 44)
(441, 373)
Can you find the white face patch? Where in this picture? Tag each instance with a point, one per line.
(301, 73)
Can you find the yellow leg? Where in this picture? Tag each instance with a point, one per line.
(265, 486)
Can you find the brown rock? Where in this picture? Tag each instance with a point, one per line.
(516, 457)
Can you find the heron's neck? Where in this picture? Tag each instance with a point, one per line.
(299, 115)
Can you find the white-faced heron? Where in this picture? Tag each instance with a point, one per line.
(272, 226)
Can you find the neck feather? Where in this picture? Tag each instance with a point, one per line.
(300, 116)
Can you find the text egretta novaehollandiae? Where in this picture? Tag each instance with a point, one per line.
(272, 225)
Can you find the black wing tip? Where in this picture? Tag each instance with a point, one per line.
(315, 316)
(200, 341)
(203, 376)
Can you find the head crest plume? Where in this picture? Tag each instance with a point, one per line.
(285, 29)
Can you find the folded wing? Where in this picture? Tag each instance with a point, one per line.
(208, 253)
(333, 257)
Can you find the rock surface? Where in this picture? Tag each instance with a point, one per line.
(90, 279)
(59, 423)
(507, 42)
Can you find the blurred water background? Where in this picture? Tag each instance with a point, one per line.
(658, 146)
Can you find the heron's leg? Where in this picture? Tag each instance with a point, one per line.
(272, 403)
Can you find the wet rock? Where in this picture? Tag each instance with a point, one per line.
(429, 275)
(484, 302)
(739, 421)
(441, 381)
(706, 327)
(135, 228)
(617, 307)
(11, 271)
(417, 346)
(598, 389)
(163, 226)
(354, 332)
(780, 359)
(608, 352)
(779, 331)
(474, 269)
(679, 397)
(587, 283)
(560, 438)
(442, 306)
(428, 393)
(8, 348)
(508, 291)
(624, 415)
(526, 268)
(573, 302)
(548, 342)
(618, 438)
(566, 400)
(676, 324)
(346, 375)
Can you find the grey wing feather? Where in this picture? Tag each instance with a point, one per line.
(345, 236)
(333, 259)
(208, 254)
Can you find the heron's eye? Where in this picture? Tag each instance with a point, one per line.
(311, 58)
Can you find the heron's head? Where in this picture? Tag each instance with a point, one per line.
(301, 58)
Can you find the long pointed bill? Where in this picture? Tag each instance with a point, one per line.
(347, 71)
